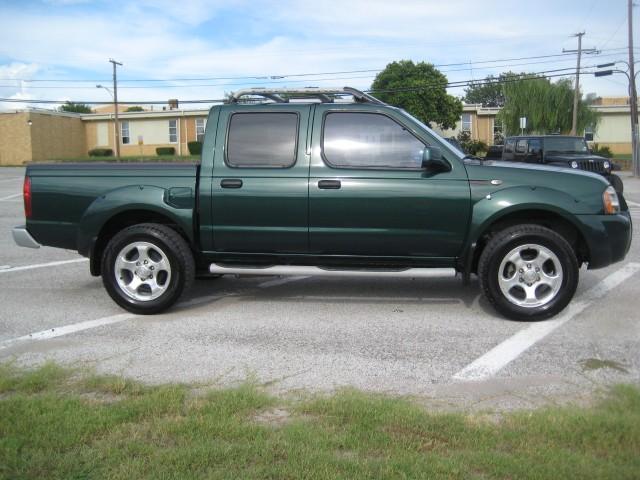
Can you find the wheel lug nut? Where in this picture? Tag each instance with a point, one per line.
(521, 270)
(537, 269)
(521, 279)
(137, 264)
(152, 268)
(528, 265)
(145, 262)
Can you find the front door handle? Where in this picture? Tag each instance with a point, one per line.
(231, 183)
(329, 184)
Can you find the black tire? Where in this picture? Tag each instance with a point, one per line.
(504, 243)
(616, 183)
(178, 255)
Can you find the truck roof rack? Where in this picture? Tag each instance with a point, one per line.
(325, 95)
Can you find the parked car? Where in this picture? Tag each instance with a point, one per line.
(318, 187)
(560, 150)
(494, 152)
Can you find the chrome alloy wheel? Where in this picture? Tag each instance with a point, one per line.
(530, 275)
(142, 271)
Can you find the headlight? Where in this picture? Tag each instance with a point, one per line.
(610, 201)
(607, 165)
(574, 164)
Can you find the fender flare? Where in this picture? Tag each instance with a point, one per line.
(130, 198)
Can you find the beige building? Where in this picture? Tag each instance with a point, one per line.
(38, 134)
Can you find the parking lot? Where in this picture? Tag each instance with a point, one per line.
(431, 338)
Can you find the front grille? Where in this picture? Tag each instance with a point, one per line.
(595, 166)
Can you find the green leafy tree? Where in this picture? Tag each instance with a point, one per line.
(488, 92)
(548, 106)
(75, 108)
(420, 89)
(135, 108)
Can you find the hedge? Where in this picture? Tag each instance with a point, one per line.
(166, 151)
(101, 152)
(195, 148)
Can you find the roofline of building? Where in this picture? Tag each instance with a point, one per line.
(146, 114)
(41, 111)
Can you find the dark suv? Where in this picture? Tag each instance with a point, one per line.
(562, 151)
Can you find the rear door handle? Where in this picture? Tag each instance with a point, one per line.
(329, 184)
(231, 183)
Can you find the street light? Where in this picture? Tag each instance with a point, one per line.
(116, 138)
(635, 155)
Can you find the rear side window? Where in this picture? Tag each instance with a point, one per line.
(369, 140)
(508, 146)
(521, 146)
(262, 140)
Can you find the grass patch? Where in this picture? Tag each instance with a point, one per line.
(56, 423)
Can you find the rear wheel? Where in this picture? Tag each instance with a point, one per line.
(528, 272)
(146, 267)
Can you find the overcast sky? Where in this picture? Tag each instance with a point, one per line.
(209, 39)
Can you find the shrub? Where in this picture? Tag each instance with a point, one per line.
(101, 152)
(166, 151)
(135, 108)
(470, 146)
(602, 151)
(195, 148)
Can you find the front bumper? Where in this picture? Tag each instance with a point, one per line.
(23, 238)
(608, 238)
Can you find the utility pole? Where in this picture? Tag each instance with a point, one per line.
(576, 95)
(115, 106)
(633, 96)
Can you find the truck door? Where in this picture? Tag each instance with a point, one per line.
(260, 180)
(369, 195)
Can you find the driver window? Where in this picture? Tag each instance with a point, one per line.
(369, 140)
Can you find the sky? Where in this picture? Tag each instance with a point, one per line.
(196, 49)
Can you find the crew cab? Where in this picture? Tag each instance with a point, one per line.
(562, 151)
(330, 183)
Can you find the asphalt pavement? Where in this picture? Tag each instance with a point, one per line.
(433, 339)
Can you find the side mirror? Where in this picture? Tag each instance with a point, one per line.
(432, 160)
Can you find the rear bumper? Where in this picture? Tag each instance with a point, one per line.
(608, 238)
(23, 238)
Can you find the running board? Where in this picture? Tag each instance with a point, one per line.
(326, 272)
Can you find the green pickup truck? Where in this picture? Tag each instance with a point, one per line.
(331, 183)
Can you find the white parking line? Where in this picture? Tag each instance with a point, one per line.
(43, 265)
(10, 197)
(501, 355)
(67, 329)
(633, 204)
(89, 324)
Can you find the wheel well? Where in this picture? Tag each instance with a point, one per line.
(121, 221)
(544, 218)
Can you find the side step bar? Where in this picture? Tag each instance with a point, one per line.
(326, 272)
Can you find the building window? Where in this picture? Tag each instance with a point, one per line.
(498, 132)
(124, 133)
(173, 131)
(201, 123)
(465, 121)
(369, 140)
(588, 133)
(262, 140)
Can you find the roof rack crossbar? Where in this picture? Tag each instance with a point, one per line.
(325, 95)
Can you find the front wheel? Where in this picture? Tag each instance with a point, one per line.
(528, 272)
(146, 267)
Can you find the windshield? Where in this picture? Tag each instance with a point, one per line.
(566, 145)
(444, 144)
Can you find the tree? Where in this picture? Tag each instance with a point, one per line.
(420, 89)
(488, 92)
(135, 108)
(75, 108)
(547, 106)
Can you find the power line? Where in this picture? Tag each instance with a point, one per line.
(529, 76)
(306, 74)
